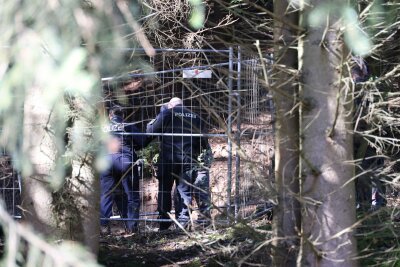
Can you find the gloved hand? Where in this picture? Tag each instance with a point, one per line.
(140, 163)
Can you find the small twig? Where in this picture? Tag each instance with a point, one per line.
(264, 68)
(275, 16)
(148, 48)
(332, 129)
(313, 169)
(265, 74)
(322, 43)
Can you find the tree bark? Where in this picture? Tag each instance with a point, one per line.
(84, 181)
(59, 197)
(327, 192)
(40, 151)
(286, 220)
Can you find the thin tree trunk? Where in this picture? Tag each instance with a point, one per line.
(85, 183)
(40, 151)
(59, 191)
(286, 221)
(327, 193)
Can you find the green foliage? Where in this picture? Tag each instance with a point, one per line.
(44, 51)
(150, 153)
(23, 247)
(360, 30)
(150, 156)
(356, 39)
(52, 57)
(59, 50)
(242, 231)
(197, 14)
(378, 240)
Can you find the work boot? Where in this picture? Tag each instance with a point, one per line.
(133, 230)
(164, 226)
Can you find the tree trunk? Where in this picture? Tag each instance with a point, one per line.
(84, 184)
(40, 152)
(327, 194)
(286, 220)
(59, 192)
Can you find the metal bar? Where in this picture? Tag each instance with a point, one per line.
(229, 131)
(133, 75)
(163, 72)
(171, 134)
(238, 132)
(182, 50)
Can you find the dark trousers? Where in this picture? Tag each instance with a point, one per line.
(181, 173)
(200, 192)
(122, 175)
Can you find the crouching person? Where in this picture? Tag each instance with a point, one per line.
(200, 189)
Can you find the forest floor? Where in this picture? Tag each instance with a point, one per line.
(244, 244)
(210, 246)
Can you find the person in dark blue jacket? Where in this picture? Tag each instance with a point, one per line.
(177, 127)
(122, 172)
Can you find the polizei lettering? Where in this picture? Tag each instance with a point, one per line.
(118, 127)
(186, 115)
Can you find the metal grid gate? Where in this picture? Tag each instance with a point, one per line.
(236, 109)
(232, 102)
(180, 73)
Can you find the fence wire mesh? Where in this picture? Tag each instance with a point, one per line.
(223, 88)
(10, 190)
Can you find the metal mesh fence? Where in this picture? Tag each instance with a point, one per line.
(237, 111)
(223, 89)
(203, 79)
(10, 190)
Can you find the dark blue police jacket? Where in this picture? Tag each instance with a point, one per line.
(182, 122)
(122, 131)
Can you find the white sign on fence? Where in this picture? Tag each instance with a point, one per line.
(195, 73)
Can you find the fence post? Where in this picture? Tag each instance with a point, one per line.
(238, 133)
(229, 134)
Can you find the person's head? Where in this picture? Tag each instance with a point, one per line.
(175, 101)
(116, 114)
(132, 84)
(133, 80)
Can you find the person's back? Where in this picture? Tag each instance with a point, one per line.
(179, 124)
(179, 150)
(186, 123)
